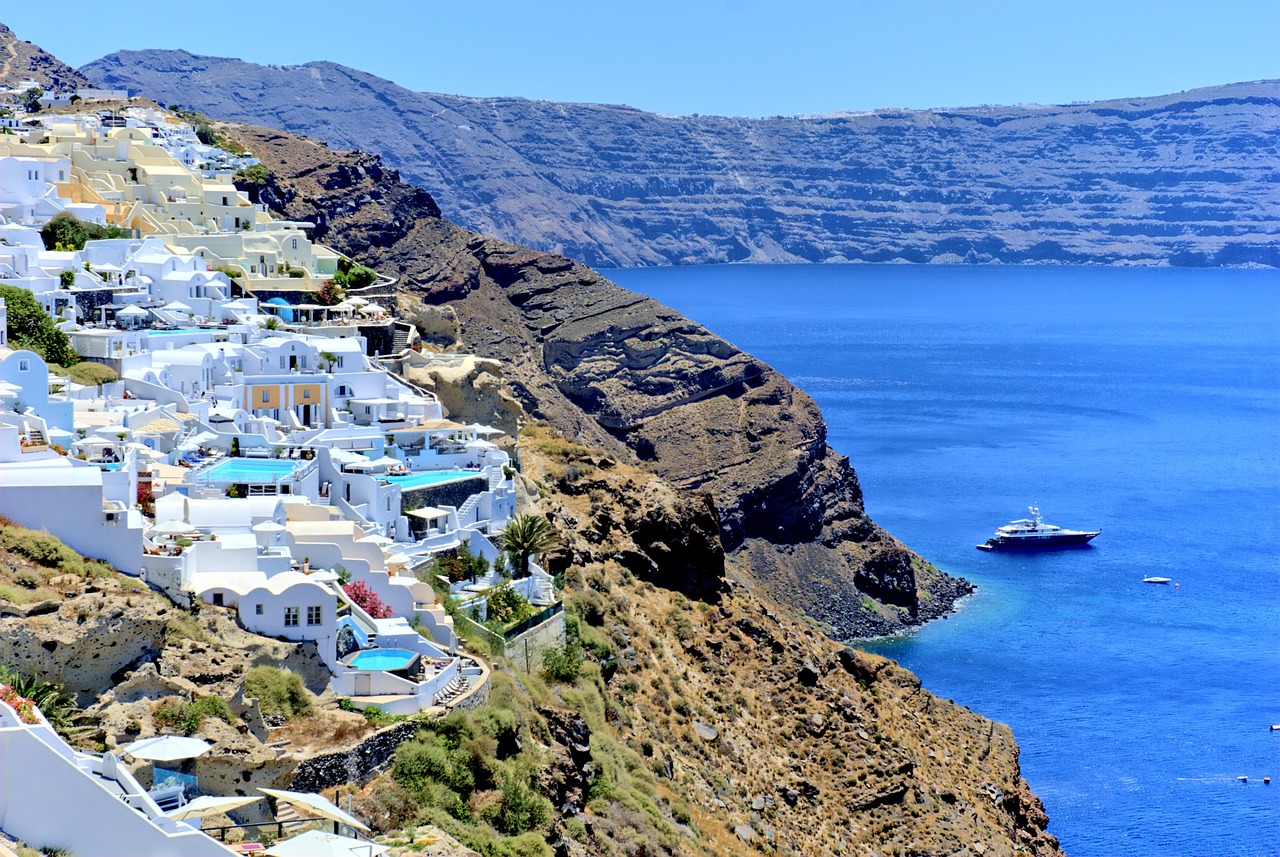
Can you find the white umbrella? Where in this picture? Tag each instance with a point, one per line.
(385, 461)
(313, 843)
(176, 306)
(174, 527)
(485, 430)
(167, 748)
(357, 301)
(8, 390)
(481, 444)
(377, 539)
(208, 805)
(373, 309)
(131, 312)
(313, 803)
(269, 527)
(399, 559)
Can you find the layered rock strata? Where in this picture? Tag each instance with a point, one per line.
(1184, 179)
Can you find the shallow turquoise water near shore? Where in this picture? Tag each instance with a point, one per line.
(1145, 402)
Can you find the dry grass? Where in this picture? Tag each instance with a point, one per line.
(323, 730)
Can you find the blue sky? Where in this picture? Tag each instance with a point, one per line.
(733, 57)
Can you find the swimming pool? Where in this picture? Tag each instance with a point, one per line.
(432, 477)
(382, 659)
(250, 470)
(179, 331)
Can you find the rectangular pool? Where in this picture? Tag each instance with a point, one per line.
(433, 477)
(382, 659)
(251, 470)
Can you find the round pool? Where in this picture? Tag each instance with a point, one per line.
(382, 659)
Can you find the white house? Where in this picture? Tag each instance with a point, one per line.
(85, 803)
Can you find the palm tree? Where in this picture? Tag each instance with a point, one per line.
(526, 536)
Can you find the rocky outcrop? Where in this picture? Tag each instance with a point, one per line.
(20, 60)
(624, 375)
(1184, 179)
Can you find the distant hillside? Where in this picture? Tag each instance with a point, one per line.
(21, 61)
(1189, 179)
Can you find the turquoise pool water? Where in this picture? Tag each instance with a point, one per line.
(381, 659)
(251, 470)
(178, 331)
(432, 477)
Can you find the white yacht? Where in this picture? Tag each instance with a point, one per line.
(1034, 534)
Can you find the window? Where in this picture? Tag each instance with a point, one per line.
(217, 599)
(291, 617)
(224, 202)
(266, 397)
(24, 365)
(257, 610)
(306, 394)
(313, 615)
(62, 175)
(294, 241)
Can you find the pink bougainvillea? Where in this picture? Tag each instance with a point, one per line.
(25, 708)
(368, 600)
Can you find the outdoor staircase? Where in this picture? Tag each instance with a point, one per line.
(464, 511)
(496, 478)
(400, 338)
(544, 589)
(36, 436)
(286, 814)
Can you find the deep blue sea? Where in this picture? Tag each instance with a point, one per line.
(1145, 402)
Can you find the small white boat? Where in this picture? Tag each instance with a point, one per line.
(1156, 580)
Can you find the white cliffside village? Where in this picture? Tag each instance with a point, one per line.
(253, 452)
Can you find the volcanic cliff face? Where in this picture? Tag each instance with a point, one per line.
(21, 60)
(1186, 179)
(618, 371)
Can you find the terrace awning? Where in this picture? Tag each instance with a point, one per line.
(208, 805)
(167, 748)
(173, 527)
(315, 804)
(315, 843)
(428, 513)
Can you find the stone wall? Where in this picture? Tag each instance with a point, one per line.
(357, 765)
(525, 651)
(449, 494)
(379, 338)
(88, 301)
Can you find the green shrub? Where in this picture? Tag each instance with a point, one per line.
(187, 717)
(28, 579)
(41, 548)
(562, 663)
(65, 230)
(279, 692)
(183, 627)
(92, 374)
(507, 606)
(30, 327)
(521, 808)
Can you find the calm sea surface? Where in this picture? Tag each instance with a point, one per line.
(1145, 402)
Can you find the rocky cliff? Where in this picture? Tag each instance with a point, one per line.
(21, 61)
(621, 373)
(1185, 179)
